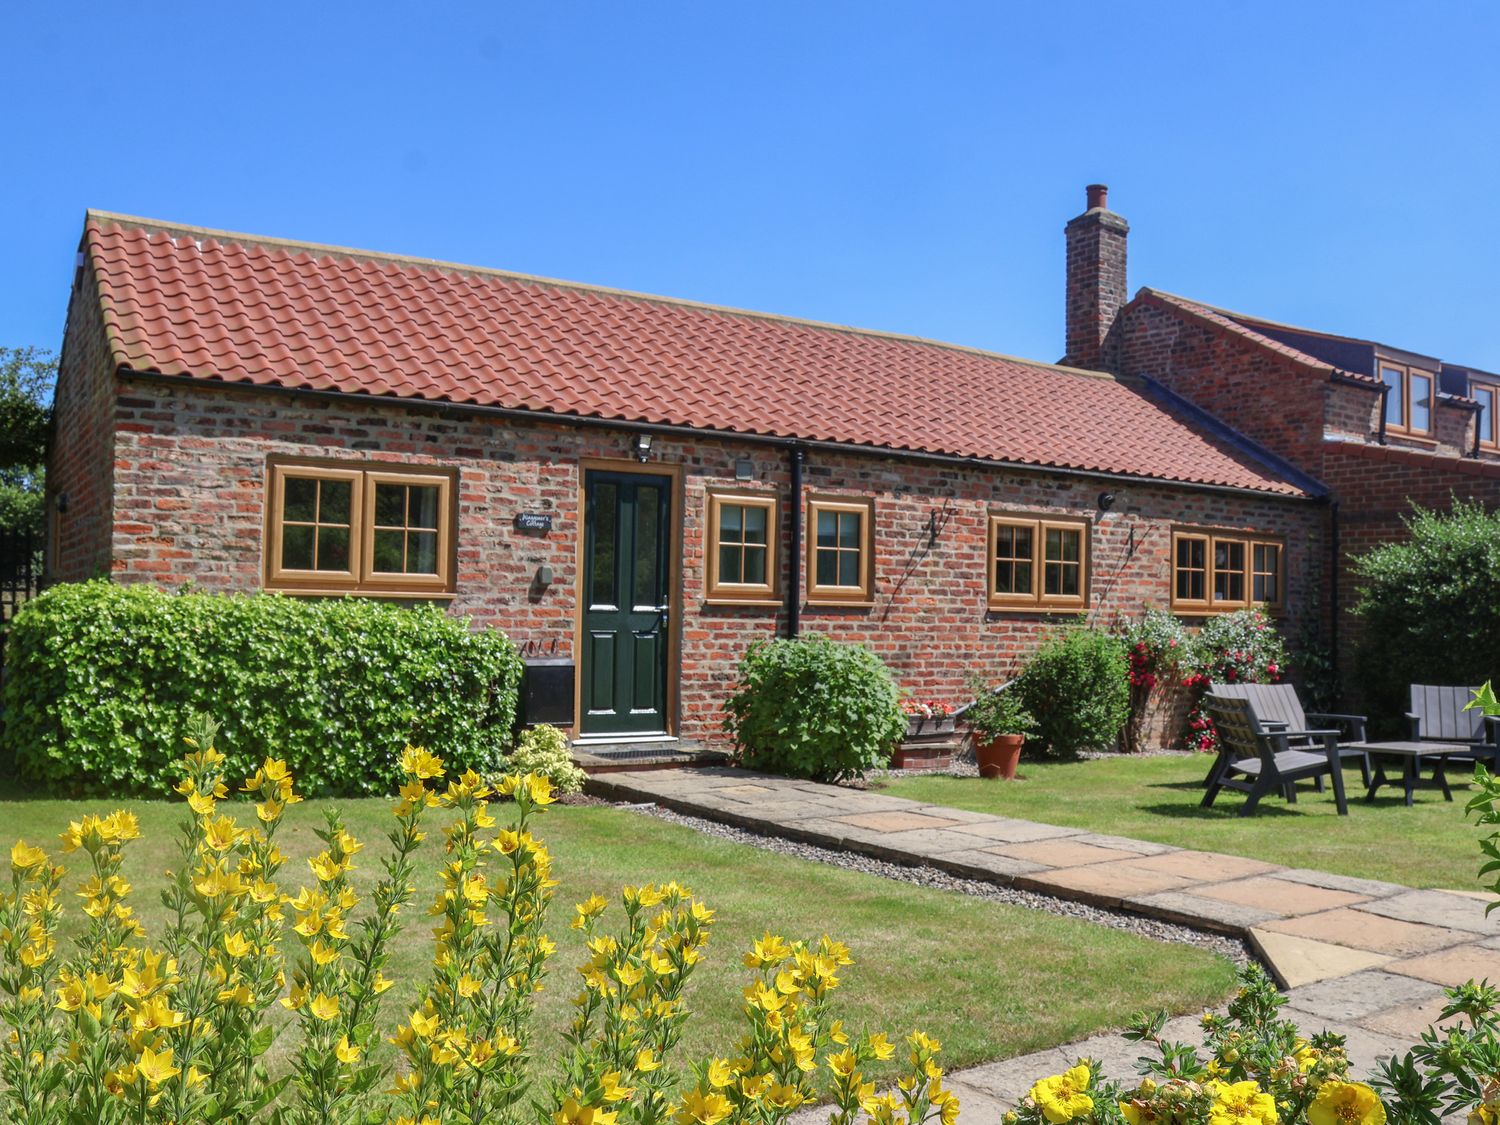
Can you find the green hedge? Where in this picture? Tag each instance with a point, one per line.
(101, 680)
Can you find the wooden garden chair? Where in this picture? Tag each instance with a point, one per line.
(1277, 705)
(1257, 760)
(1438, 715)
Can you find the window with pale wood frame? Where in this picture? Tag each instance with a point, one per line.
(1214, 572)
(1037, 563)
(1486, 422)
(1408, 399)
(336, 528)
(742, 535)
(840, 550)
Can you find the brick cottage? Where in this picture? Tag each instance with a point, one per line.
(644, 486)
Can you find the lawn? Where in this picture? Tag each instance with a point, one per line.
(987, 979)
(1430, 844)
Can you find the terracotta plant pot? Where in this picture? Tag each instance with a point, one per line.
(998, 756)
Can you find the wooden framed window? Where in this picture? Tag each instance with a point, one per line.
(1213, 572)
(840, 550)
(1037, 563)
(333, 528)
(1486, 421)
(1409, 401)
(742, 534)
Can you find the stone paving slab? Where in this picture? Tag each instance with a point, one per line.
(1190, 909)
(1352, 998)
(1362, 930)
(1369, 888)
(1452, 966)
(1296, 961)
(1125, 844)
(1435, 908)
(897, 821)
(1064, 852)
(1002, 828)
(1206, 867)
(1278, 896)
(1106, 884)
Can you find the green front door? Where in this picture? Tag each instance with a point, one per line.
(626, 579)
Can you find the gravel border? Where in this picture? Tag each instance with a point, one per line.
(1230, 948)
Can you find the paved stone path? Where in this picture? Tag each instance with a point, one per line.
(1366, 959)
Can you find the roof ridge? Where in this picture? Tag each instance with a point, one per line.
(291, 244)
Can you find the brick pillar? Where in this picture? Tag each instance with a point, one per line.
(1096, 279)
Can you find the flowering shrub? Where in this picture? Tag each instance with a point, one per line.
(1155, 646)
(122, 1030)
(543, 750)
(1236, 648)
(1074, 687)
(1258, 1069)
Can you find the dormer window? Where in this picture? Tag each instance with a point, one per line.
(1408, 399)
(1486, 421)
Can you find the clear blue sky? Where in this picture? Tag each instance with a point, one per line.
(897, 166)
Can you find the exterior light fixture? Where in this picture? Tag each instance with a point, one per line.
(1106, 501)
(640, 445)
(744, 469)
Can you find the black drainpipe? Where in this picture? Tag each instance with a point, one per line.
(1385, 394)
(1333, 586)
(794, 568)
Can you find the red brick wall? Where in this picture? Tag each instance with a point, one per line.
(190, 470)
(82, 447)
(1096, 285)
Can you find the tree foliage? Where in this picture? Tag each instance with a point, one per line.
(1428, 604)
(27, 376)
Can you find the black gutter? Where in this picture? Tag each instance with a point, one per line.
(794, 569)
(548, 417)
(1336, 549)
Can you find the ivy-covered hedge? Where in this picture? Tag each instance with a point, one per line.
(101, 681)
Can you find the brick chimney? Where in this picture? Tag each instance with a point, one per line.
(1096, 278)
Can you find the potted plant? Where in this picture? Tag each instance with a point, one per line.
(927, 717)
(1000, 725)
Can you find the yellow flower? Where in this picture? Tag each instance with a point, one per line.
(1061, 1098)
(345, 1051)
(572, 1113)
(323, 1006)
(1241, 1103)
(720, 1073)
(705, 1108)
(23, 856)
(156, 1068)
(1346, 1103)
(417, 762)
(612, 1089)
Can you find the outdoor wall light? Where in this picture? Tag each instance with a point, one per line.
(1106, 501)
(744, 469)
(62, 501)
(640, 445)
(543, 577)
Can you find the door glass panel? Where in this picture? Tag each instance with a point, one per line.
(1395, 398)
(1421, 402)
(647, 545)
(602, 570)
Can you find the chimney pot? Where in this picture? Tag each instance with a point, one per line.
(1098, 196)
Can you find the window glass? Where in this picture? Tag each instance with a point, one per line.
(743, 544)
(1266, 573)
(406, 523)
(315, 524)
(648, 588)
(839, 561)
(1062, 564)
(1013, 557)
(1192, 569)
(1229, 570)
(1395, 398)
(606, 497)
(1484, 421)
(1421, 402)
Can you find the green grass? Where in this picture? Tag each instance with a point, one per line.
(1428, 845)
(987, 979)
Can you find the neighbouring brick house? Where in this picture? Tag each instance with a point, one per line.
(645, 485)
(1379, 427)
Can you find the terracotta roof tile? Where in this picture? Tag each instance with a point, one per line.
(179, 301)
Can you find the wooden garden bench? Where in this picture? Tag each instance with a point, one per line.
(1257, 759)
(1437, 715)
(1277, 705)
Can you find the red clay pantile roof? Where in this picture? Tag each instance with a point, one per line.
(240, 309)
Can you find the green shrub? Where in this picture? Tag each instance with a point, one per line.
(544, 750)
(812, 707)
(100, 677)
(1429, 607)
(1078, 689)
(1242, 647)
